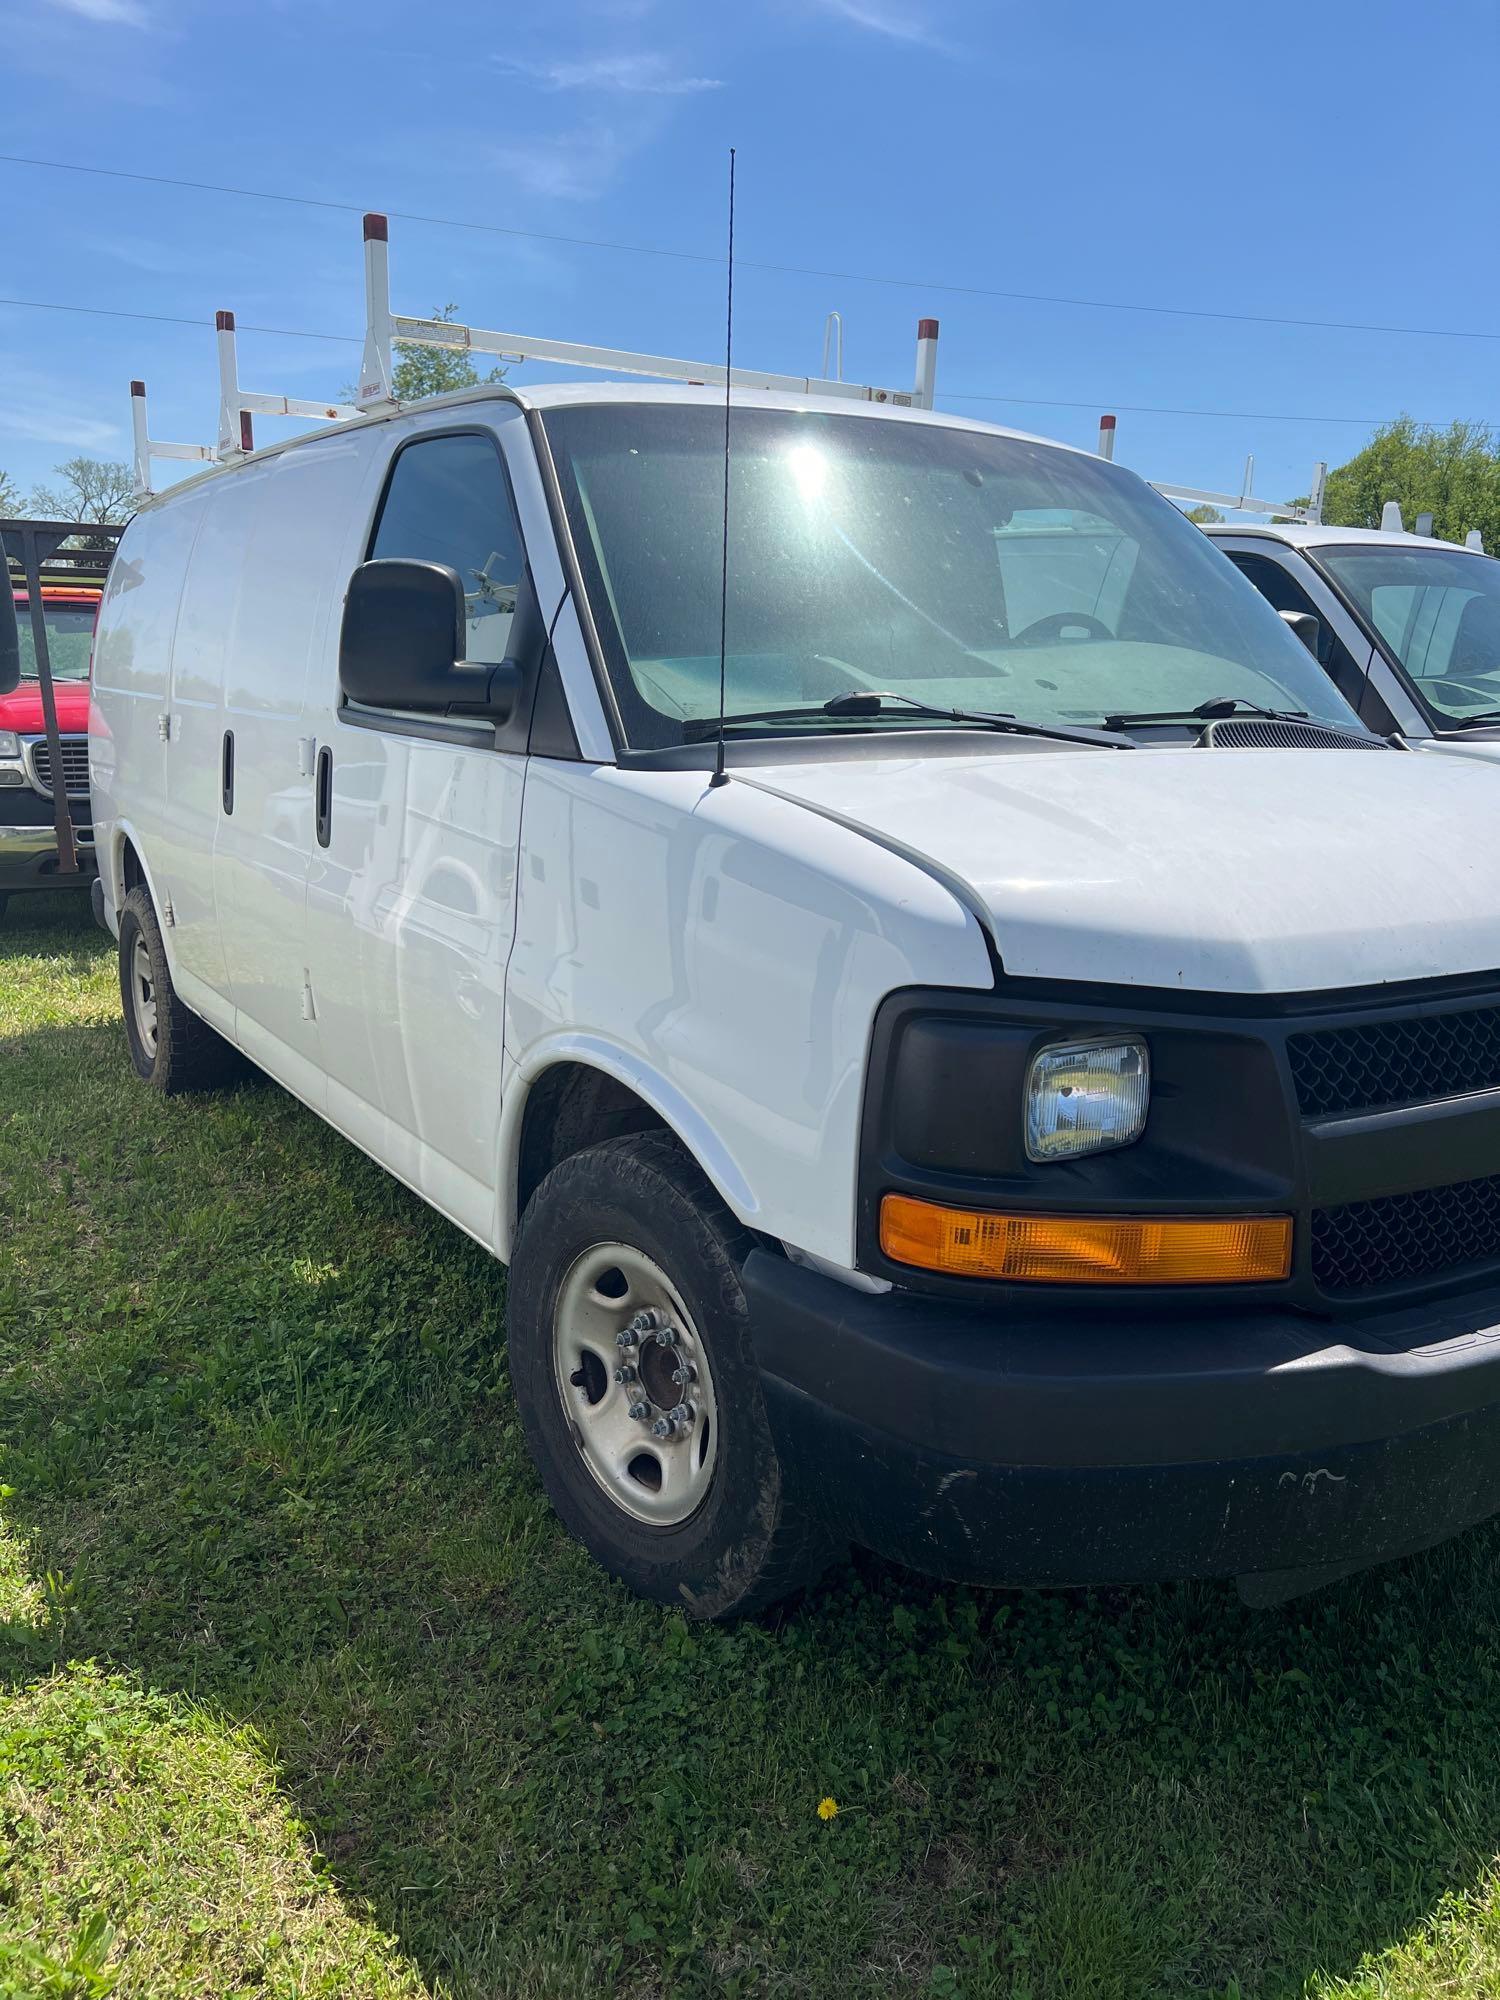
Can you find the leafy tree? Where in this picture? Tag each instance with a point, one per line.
(1453, 474)
(91, 489)
(1203, 515)
(431, 371)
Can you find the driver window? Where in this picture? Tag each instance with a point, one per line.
(447, 502)
(1280, 588)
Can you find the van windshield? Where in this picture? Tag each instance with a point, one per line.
(953, 567)
(1438, 611)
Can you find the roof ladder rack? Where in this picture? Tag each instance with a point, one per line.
(384, 329)
(1243, 502)
(238, 407)
(148, 447)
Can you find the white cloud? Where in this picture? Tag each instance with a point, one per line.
(52, 425)
(644, 74)
(567, 166)
(108, 13)
(897, 22)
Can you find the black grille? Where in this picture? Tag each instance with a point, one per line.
(1248, 732)
(1399, 1236)
(1395, 1062)
(75, 759)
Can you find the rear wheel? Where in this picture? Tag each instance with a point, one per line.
(637, 1388)
(170, 1047)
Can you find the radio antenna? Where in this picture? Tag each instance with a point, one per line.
(720, 777)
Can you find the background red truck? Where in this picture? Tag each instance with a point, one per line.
(71, 591)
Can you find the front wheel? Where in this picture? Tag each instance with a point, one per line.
(638, 1392)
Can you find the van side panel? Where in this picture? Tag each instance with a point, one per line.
(724, 952)
(193, 766)
(296, 509)
(131, 683)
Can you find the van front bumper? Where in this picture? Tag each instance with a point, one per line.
(28, 859)
(1042, 1447)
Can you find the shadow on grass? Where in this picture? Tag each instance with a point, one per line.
(254, 1408)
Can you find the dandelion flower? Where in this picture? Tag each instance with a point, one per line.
(827, 1808)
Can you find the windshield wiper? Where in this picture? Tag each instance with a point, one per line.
(860, 703)
(1485, 718)
(1217, 706)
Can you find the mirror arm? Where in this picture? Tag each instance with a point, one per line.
(497, 689)
(490, 693)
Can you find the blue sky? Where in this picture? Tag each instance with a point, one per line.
(1336, 162)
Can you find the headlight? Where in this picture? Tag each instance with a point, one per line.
(1082, 1097)
(10, 744)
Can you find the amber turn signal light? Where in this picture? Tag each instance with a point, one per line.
(1086, 1249)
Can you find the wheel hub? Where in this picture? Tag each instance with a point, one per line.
(143, 994)
(635, 1384)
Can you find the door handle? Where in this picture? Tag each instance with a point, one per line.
(226, 771)
(323, 796)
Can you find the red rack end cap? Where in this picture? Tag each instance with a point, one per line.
(224, 322)
(377, 229)
(927, 329)
(137, 388)
(1106, 423)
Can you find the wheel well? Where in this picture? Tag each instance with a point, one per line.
(571, 1107)
(131, 871)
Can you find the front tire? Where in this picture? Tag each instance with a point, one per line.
(637, 1388)
(170, 1048)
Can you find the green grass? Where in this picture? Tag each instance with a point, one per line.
(358, 1720)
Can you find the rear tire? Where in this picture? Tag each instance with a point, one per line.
(170, 1048)
(628, 1228)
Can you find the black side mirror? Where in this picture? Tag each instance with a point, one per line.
(1307, 628)
(10, 637)
(402, 643)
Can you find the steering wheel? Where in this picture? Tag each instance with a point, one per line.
(1057, 623)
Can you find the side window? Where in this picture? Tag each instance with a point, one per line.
(446, 502)
(1279, 587)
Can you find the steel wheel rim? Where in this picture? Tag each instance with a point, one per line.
(609, 1363)
(143, 994)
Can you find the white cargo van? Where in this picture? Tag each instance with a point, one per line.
(1408, 626)
(1038, 1118)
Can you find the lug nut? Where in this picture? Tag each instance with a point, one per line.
(685, 1374)
(664, 1337)
(625, 1374)
(682, 1415)
(663, 1427)
(640, 1411)
(625, 1339)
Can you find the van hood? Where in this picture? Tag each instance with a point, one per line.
(1224, 871)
